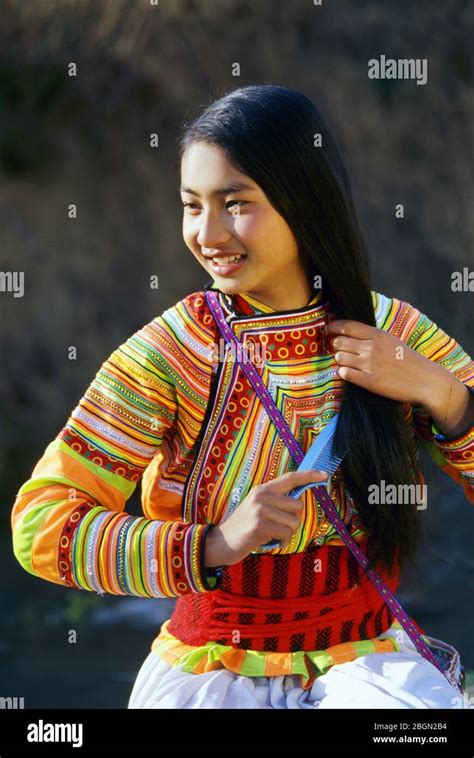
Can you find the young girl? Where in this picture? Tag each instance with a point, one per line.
(299, 625)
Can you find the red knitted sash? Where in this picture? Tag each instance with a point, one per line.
(287, 602)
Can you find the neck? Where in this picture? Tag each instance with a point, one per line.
(283, 301)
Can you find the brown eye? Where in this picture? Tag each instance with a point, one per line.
(235, 202)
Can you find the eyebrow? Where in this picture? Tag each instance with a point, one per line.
(234, 187)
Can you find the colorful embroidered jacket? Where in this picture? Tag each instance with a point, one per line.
(165, 410)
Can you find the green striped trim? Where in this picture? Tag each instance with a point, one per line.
(125, 486)
(25, 532)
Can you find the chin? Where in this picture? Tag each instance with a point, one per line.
(227, 290)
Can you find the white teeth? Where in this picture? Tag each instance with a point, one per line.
(223, 261)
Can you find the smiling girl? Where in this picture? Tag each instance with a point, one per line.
(268, 213)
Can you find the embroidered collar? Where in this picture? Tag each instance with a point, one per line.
(242, 305)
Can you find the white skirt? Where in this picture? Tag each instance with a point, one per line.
(402, 679)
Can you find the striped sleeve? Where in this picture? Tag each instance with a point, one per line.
(68, 521)
(454, 455)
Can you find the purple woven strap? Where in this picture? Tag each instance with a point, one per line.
(320, 492)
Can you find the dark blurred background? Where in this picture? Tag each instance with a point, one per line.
(85, 140)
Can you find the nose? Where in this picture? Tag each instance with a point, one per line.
(212, 231)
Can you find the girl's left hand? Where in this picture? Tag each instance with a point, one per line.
(382, 363)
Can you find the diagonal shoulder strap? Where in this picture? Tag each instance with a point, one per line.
(320, 492)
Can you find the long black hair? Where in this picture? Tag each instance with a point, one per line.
(268, 132)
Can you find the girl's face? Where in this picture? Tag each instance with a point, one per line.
(220, 216)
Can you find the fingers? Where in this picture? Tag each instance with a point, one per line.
(281, 517)
(277, 516)
(284, 510)
(279, 532)
(347, 344)
(292, 479)
(349, 328)
(353, 360)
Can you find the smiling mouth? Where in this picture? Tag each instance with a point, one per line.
(226, 266)
(222, 260)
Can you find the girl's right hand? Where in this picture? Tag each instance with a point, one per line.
(265, 514)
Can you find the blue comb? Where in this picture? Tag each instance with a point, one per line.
(320, 457)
